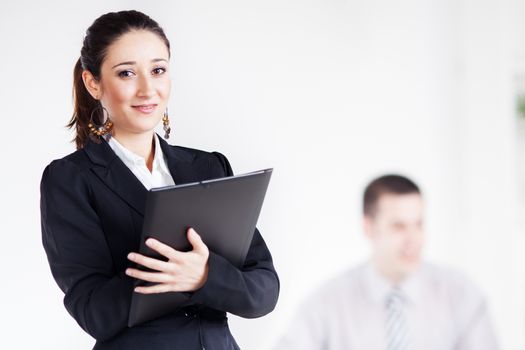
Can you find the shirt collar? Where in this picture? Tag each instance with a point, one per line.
(379, 287)
(132, 159)
(159, 159)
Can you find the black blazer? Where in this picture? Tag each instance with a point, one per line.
(92, 208)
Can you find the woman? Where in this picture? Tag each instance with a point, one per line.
(92, 204)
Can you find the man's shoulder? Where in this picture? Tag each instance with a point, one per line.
(450, 280)
(443, 273)
(338, 286)
(348, 277)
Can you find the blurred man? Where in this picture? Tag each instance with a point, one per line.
(393, 301)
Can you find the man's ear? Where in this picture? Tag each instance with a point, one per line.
(367, 226)
(91, 84)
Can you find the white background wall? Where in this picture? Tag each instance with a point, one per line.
(329, 93)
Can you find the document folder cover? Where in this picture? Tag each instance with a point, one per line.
(223, 211)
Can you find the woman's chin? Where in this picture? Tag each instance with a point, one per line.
(136, 130)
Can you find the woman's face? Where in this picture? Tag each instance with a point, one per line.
(134, 83)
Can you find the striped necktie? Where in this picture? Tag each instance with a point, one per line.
(396, 325)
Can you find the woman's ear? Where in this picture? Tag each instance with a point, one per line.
(91, 84)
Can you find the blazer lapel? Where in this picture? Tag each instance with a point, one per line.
(182, 165)
(116, 175)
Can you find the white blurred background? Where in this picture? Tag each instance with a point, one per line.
(328, 92)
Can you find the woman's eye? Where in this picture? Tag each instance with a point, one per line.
(125, 73)
(159, 70)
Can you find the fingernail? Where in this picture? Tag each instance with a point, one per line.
(131, 256)
(149, 241)
(127, 271)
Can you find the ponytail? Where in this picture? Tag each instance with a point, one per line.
(83, 106)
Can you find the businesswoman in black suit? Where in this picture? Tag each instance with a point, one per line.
(92, 204)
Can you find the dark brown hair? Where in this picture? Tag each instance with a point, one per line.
(99, 36)
(387, 184)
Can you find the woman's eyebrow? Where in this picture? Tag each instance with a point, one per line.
(133, 62)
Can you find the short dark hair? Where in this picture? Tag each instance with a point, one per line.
(386, 184)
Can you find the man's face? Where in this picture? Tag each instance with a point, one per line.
(396, 233)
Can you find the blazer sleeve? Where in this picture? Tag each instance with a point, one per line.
(249, 292)
(97, 296)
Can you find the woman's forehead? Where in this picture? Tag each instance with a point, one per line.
(137, 46)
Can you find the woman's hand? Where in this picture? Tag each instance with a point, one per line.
(183, 272)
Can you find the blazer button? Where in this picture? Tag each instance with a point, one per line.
(191, 312)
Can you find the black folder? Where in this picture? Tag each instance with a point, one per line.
(223, 211)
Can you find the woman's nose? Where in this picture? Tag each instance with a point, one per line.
(145, 86)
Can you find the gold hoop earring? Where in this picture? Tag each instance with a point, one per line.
(96, 131)
(166, 122)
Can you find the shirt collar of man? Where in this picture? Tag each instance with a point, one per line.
(379, 286)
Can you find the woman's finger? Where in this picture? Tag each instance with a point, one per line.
(157, 277)
(158, 288)
(196, 242)
(163, 249)
(154, 264)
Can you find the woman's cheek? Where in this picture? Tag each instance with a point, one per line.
(124, 93)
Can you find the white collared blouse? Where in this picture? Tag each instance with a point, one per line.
(159, 176)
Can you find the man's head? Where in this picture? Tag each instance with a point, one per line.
(393, 216)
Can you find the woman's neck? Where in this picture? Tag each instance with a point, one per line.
(141, 144)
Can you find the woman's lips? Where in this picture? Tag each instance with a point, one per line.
(146, 109)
